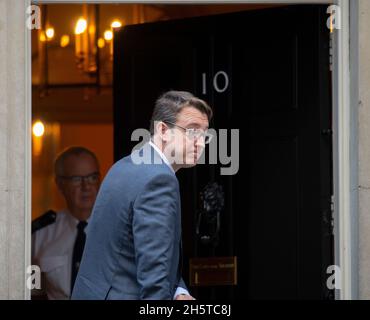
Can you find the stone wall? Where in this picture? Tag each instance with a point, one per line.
(14, 166)
(364, 149)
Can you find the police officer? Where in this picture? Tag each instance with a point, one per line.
(58, 238)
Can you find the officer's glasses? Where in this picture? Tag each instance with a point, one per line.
(92, 178)
(193, 133)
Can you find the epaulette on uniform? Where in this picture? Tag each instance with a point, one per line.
(47, 218)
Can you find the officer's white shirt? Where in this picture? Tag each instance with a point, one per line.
(52, 250)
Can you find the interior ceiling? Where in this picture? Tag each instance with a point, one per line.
(62, 72)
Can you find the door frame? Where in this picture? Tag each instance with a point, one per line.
(345, 144)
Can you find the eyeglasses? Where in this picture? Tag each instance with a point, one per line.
(193, 133)
(92, 178)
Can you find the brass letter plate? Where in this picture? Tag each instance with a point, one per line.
(213, 271)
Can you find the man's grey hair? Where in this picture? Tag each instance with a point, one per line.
(70, 151)
(169, 104)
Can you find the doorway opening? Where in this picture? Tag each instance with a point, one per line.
(278, 206)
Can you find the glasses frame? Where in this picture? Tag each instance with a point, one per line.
(77, 180)
(207, 136)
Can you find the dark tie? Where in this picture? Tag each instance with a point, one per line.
(78, 250)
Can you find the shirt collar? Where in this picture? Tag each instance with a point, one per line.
(73, 222)
(161, 154)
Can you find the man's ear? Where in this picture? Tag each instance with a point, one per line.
(162, 131)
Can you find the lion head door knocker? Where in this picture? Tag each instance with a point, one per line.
(208, 222)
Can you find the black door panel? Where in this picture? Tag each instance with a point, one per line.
(265, 73)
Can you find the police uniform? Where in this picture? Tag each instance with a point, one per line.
(53, 239)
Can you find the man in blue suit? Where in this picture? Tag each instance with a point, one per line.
(133, 245)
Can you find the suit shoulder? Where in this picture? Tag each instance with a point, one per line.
(44, 220)
(161, 177)
(163, 172)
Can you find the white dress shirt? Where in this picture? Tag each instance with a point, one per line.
(161, 154)
(52, 251)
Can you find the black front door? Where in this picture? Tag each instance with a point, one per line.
(265, 73)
